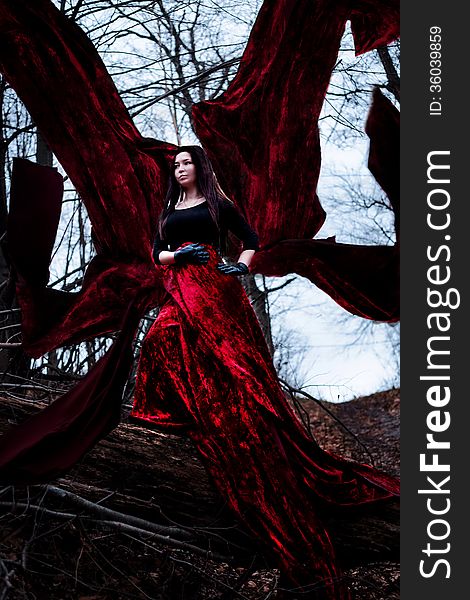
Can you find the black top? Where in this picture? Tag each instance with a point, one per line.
(195, 224)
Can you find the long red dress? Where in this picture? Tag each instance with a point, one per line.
(205, 365)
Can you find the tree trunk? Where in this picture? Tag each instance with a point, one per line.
(44, 155)
(14, 361)
(393, 79)
(259, 303)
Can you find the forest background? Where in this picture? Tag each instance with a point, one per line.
(164, 56)
(94, 535)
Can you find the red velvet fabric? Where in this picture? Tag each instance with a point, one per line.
(33, 218)
(383, 129)
(205, 366)
(61, 79)
(51, 317)
(267, 120)
(121, 176)
(226, 393)
(374, 23)
(343, 271)
(50, 442)
(362, 279)
(114, 296)
(275, 181)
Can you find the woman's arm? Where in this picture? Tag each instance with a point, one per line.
(166, 257)
(195, 254)
(246, 256)
(236, 223)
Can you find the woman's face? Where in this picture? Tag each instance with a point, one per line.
(185, 170)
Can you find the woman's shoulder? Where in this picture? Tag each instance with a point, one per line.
(226, 205)
(229, 212)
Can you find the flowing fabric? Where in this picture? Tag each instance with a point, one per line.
(383, 129)
(121, 177)
(49, 443)
(52, 317)
(205, 366)
(225, 390)
(339, 270)
(267, 119)
(374, 23)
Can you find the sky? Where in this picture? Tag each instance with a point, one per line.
(337, 366)
(334, 365)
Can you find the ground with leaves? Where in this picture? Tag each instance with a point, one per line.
(89, 536)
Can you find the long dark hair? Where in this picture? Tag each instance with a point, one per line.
(207, 184)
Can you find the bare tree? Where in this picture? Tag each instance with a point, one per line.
(164, 56)
(15, 140)
(361, 212)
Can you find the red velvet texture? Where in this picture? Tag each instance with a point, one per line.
(374, 23)
(342, 271)
(61, 79)
(49, 443)
(121, 178)
(267, 120)
(205, 365)
(362, 279)
(51, 317)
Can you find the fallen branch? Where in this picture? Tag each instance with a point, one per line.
(158, 478)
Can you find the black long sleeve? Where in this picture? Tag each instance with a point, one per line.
(195, 224)
(233, 221)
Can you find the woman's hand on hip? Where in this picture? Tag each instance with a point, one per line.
(237, 270)
(192, 254)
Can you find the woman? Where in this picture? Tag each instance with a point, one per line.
(205, 365)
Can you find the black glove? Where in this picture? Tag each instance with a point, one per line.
(238, 269)
(193, 254)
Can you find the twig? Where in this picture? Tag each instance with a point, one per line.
(121, 526)
(113, 515)
(166, 540)
(141, 106)
(303, 414)
(109, 563)
(6, 579)
(332, 415)
(203, 573)
(393, 79)
(32, 386)
(95, 588)
(47, 511)
(10, 326)
(243, 578)
(57, 281)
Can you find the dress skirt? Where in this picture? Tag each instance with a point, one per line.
(205, 366)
